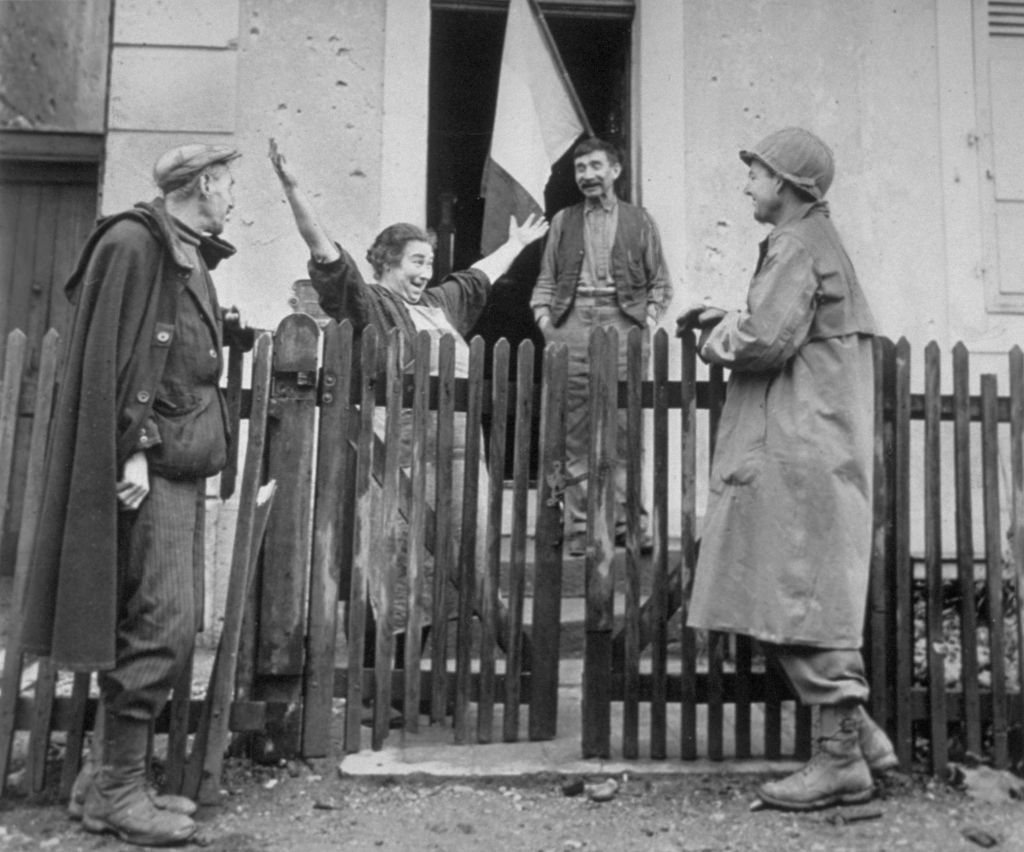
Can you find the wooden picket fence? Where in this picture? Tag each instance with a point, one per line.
(683, 694)
(713, 681)
(38, 706)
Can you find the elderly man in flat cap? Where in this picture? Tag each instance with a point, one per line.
(140, 423)
(786, 543)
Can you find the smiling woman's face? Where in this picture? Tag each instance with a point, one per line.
(413, 272)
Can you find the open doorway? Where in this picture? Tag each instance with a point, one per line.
(466, 44)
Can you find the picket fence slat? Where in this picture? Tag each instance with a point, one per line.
(631, 631)
(901, 573)
(994, 568)
(202, 772)
(1017, 499)
(599, 591)
(517, 540)
(31, 508)
(659, 557)
(444, 574)
(877, 636)
(468, 592)
(688, 542)
(933, 556)
(388, 533)
(965, 550)
(416, 563)
(10, 396)
(547, 583)
(492, 551)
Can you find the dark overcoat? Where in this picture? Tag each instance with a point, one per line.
(125, 291)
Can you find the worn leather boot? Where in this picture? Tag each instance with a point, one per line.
(875, 744)
(164, 801)
(837, 774)
(76, 803)
(118, 800)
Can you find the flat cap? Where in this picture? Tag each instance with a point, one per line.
(178, 166)
(798, 156)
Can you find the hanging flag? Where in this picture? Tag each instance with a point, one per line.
(537, 118)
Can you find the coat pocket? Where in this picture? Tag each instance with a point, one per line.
(193, 443)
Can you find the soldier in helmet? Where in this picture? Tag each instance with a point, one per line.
(786, 542)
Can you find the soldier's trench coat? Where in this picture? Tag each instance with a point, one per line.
(786, 539)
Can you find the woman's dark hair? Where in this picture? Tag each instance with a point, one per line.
(390, 244)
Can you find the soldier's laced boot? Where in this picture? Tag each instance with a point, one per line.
(837, 774)
(875, 744)
(118, 800)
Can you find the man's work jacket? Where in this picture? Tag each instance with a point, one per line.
(636, 242)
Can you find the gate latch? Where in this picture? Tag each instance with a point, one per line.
(558, 482)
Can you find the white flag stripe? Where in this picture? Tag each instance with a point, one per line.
(536, 120)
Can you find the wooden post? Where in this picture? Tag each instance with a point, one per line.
(332, 543)
(362, 532)
(547, 583)
(281, 642)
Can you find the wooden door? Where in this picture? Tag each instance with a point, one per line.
(46, 211)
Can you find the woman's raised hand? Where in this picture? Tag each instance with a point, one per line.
(281, 167)
(530, 231)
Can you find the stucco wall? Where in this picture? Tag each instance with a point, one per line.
(306, 73)
(53, 64)
(862, 76)
(341, 85)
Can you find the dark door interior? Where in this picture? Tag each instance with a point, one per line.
(466, 44)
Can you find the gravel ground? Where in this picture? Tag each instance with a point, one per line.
(310, 808)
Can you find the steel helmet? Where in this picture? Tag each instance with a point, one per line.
(798, 156)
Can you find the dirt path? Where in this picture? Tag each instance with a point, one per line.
(309, 808)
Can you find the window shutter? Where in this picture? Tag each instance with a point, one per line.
(1001, 97)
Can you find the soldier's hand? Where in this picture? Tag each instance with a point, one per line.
(134, 484)
(700, 316)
